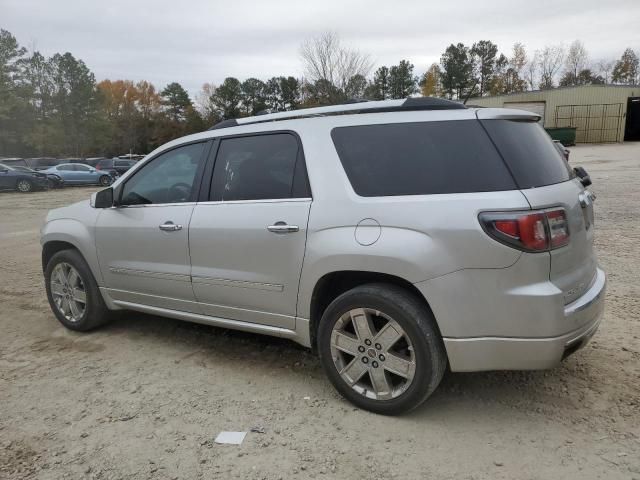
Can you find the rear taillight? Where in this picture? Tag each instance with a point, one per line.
(532, 231)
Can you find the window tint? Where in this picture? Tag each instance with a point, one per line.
(81, 168)
(168, 178)
(420, 158)
(529, 152)
(66, 168)
(255, 168)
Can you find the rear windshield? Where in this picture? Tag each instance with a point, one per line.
(420, 158)
(529, 152)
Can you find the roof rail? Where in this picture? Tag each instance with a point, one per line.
(401, 105)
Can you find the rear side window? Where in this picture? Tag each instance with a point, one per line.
(420, 158)
(259, 167)
(529, 152)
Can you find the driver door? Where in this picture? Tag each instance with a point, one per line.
(142, 243)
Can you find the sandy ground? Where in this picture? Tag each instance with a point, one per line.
(145, 396)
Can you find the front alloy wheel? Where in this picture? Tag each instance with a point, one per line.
(68, 292)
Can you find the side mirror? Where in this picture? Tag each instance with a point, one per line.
(102, 199)
(584, 177)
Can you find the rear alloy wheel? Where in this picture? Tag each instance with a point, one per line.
(24, 186)
(381, 348)
(105, 180)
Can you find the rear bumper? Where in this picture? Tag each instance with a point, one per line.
(509, 353)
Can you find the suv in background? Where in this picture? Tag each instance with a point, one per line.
(394, 237)
(115, 166)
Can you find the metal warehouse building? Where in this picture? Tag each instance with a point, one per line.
(600, 113)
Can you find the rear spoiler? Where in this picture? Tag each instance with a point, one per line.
(506, 114)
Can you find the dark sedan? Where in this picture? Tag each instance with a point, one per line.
(12, 179)
(55, 181)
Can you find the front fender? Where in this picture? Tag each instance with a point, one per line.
(77, 234)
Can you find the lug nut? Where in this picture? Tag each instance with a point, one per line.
(378, 346)
(367, 342)
(381, 357)
(374, 364)
(365, 360)
(361, 349)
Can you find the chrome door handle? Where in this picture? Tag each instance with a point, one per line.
(281, 227)
(170, 227)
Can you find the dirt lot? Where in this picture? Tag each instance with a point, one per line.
(145, 396)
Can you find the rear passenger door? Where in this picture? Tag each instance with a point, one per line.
(247, 234)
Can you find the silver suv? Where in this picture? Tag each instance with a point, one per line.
(396, 238)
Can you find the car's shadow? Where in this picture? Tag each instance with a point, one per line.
(526, 391)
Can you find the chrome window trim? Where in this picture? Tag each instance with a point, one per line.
(149, 205)
(273, 200)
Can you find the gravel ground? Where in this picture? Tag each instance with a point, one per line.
(145, 396)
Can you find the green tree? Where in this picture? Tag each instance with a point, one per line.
(457, 71)
(356, 87)
(176, 101)
(626, 70)
(380, 88)
(228, 98)
(484, 53)
(254, 97)
(402, 83)
(584, 77)
(14, 108)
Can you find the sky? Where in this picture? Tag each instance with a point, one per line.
(198, 41)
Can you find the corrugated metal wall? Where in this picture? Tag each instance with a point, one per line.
(604, 121)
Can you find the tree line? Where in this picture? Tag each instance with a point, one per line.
(55, 106)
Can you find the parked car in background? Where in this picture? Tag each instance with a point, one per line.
(79, 174)
(42, 163)
(12, 179)
(55, 180)
(93, 161)
(117, 165)
(10, 162)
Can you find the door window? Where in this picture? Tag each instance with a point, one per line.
(170, 177)
(82, 168)
(66, 168)
(258, 168)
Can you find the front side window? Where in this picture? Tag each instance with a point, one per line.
(170, 177)
(257, 167)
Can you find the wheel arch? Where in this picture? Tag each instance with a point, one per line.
(333, 284)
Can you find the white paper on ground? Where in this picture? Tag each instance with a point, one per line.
(231, 438)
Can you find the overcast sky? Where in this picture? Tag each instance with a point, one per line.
(197, 41)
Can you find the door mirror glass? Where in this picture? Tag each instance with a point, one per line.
(103, 198)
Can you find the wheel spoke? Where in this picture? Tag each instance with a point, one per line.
(56, 289)
(380, 383)
(64, 306)
(76, 312)
(388, 335)
(79, 295)
(345, 343)
(354, 371)
(72, 277)
(399, 366)
(361, 323)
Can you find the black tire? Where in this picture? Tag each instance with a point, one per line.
(24, 186)
(105, 180)
(417, 321)
(95, 312)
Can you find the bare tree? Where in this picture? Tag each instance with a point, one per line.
(204, 102)
(604, 68)
(326, 59)
(531, 70)
(550, 61)
(577, 59)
